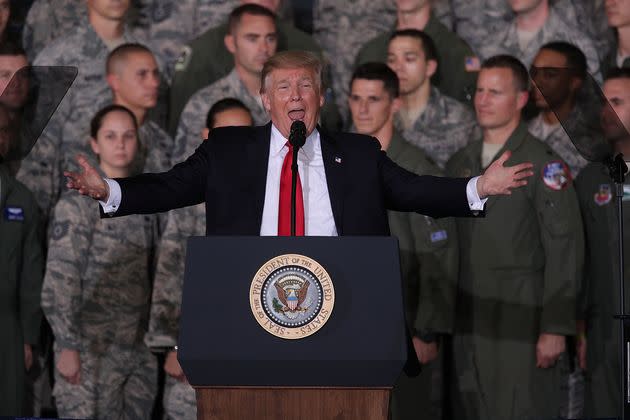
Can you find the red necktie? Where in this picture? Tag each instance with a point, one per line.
(284, 210)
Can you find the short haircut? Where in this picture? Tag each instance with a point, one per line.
(292, 60)
(426, 42)
(618, 73)
(97, 120)
(11, 48)
(521, 76)
(247, 9)
(222, 105)
(378, 71)
(122, 52)
(576, 60)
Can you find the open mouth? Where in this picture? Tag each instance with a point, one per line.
(297, 114)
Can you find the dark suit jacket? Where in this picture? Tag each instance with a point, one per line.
(229, 171)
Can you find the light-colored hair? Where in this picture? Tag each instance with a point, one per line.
(292, 60)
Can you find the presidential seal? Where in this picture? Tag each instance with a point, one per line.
(292, 296)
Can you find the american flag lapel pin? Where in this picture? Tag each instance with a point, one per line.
(337, 159)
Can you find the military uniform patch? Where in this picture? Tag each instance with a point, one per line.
(556, 175)
(626, 193)
(14, 214)
(604, 195)
(60, 230)
(472, 64)
(439, 236)
(184, 58)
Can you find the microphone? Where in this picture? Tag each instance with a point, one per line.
(297, 138)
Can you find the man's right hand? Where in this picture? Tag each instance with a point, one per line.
(173, 368)
(69, 366)
(88, 182)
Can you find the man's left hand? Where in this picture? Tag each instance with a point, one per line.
(28, 356)
(548, 349)
(425, 352)
(501, 180)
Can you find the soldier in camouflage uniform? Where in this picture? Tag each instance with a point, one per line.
(521, 264)
(428, 247)
(559, 70)
(525, 42)
(97, 291)
(436, 123)
(207, 59)
(243, 82)
(171, 24)
(134, 78)
(475, 20)
(598, 201)
(458, 68)
(65, 134)
(179, 397)
(618, 12)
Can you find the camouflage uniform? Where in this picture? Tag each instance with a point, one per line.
(444, 127)
(341, 28)
(206, 60)
(520, 268)
(475, 20)
(179, 397)
(67, 132)
(429, 264)
(170, 24)
(505, 41)
(455, 76)
(21, 269)
(96, 297)
(598, 202)
(560, 143)
(193, 118)
(157, 148)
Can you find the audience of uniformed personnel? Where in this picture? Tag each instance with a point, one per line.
(441, 84)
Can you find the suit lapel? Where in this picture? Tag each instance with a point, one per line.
(334, 169)
(259, 156)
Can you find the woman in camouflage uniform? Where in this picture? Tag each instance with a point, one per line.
(97, 291)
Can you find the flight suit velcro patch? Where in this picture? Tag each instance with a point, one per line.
(13, 214)
(556, 175)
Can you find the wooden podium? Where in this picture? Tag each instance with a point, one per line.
(294, 403)
(242, 368)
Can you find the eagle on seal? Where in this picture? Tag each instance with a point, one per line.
(292, 298)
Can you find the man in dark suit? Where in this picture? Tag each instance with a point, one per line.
(346, 183)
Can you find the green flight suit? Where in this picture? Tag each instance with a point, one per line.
(206, 60)
(429, 263)
(456, 74)
(520, 269)
(21, 276)
(597, 198)
(610, 61)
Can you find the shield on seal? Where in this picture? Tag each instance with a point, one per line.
(292, 299)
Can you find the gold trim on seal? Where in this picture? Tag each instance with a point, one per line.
(327, 296)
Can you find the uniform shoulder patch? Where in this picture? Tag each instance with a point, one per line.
(556, 175)
(184, 58)
(13, 214)
(604, 195)
(472, 63)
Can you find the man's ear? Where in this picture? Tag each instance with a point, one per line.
(230, 44)
(432, 66)
(396, 104)
(204, 133)
(112, 81)
(521, 99)
(266, 101)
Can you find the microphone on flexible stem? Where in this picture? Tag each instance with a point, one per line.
(297, 138)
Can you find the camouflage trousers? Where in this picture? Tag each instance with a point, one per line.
(118, 384)
(180, 401)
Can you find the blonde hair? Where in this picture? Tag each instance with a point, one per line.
(292, 60)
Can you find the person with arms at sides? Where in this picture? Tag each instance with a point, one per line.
(598, 340)
(179, 397)
(560, 70)
(520, 266)
(332, 165)
(458, 64)
(97, 291)
(431, 121)
(252, 40)
(21, 271)
(428, 247)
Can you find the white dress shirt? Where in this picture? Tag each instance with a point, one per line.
(318, 215)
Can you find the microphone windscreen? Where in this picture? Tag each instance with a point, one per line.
(297, 138)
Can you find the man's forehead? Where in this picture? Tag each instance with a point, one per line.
(406, 43)
(255, 24)
(299, 73)
(367, 85)
(13, 61)
(617, 87)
